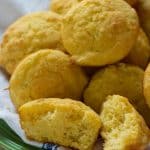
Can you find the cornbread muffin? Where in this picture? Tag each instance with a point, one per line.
(143, 9)
(147, 85)
(62, 121)
(29, 34)
(96, 32)
(140, 53)
(62, 6)
(122, 127)
(45, 74)
(122, 79)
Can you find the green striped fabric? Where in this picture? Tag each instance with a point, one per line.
(10, 141)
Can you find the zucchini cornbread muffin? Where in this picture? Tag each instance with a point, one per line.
(29, 34)
(99, 32)
(122, 79)
(45, 74)
(147, 85)
(140, 53)
(62, 121)
(122, 127)
(143, 9)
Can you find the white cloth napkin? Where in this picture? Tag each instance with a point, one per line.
(10, 10)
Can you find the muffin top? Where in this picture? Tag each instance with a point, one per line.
(99, 32)
(29, 34)
(46, 74)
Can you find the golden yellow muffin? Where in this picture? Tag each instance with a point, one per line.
(29, 34)
(99, 32)
(62, 121)
(122, 79)
(45, 74)
(122, 127)
(140, 53)
(62, 6)
(147, 85)
(143, 8)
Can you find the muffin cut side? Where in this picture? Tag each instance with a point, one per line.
(61, 121)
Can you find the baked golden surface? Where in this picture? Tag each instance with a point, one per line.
(140, 53)
(46, 74)
(51, 55)
(29, 34)
(122, 127)
(61, 121)
(93, 31)
(63, 6)
(122, 79)
(147, 85)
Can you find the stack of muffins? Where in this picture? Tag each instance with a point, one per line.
(80, 71)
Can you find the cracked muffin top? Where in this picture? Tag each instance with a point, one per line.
(99, 32)
(29, 34)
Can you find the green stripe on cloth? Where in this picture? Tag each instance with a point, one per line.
(10, 141)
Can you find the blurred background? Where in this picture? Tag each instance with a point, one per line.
(10, 10)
